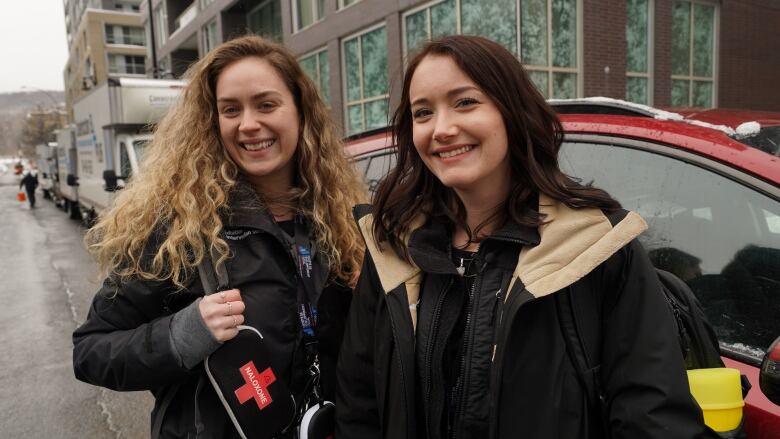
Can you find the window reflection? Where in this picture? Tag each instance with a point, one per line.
(717, 235)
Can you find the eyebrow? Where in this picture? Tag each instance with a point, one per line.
(451, 93)
(262, 94)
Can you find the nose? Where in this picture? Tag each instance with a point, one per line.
(248, 122)
(444, 127)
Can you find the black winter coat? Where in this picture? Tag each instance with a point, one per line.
(125, 342)
(517, 378)
(29, 181)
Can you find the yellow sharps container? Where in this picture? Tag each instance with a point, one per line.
(719, 394)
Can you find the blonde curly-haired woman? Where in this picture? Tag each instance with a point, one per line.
(246, 155)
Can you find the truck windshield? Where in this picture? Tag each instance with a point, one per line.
(140, 148)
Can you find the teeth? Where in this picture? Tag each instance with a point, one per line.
(453, 153)
(258, 146)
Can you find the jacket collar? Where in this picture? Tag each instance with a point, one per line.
(246, 211)
(429, 246)
(568, 246)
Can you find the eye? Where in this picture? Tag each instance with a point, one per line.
(267, 105)
(421, 113)
(465, 102)
(229, 110)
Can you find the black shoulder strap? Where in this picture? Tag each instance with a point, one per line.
(583, 354)
(213, 278)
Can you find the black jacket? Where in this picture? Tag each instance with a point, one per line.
(29, 181)
(125, 342)
(519, 380)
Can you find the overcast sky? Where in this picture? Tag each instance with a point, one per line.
(33, 45)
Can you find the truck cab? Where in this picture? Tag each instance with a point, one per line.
(112, 128)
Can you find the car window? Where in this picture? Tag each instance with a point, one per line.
(379, 166)
(361, 164)
(767, 140)
(719, 236)
(140, 149)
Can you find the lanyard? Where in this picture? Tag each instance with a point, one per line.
(307, 310)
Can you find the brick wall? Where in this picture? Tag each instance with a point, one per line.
(604, 28)
(749, 55)
(662, 68)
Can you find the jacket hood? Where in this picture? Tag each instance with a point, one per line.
(572, 243)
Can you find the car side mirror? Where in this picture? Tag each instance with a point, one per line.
(72, 180)
(769, 377)
(112, 184)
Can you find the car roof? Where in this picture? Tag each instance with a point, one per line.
(731, 118)
(682, 134)
(709, 133)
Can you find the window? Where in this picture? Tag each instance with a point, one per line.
(125, 35)
(266, 20)
(161, 24)
(638, 51)
(345, 3)
(210, 36)
(316, 66)
(126, 64)
(719, 236)
(548, 47)
(307, 12)
(693, 54)
(549, 30)
(125, 167)
(127, 7)
(366, 90)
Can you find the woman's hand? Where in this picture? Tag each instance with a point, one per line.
(222, 312)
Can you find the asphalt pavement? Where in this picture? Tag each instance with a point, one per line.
(47, 281)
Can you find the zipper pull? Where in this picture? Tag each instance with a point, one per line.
(461, 270)
(495, 307)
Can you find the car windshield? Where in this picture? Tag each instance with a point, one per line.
(767, 140)
(140, 148)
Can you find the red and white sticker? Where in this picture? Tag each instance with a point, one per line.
(256, 386)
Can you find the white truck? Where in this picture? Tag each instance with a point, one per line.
(112, 129)
(66, 170)
(47, 167)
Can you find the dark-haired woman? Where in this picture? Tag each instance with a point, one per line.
(455, 328)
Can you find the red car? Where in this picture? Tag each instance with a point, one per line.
(708, 185)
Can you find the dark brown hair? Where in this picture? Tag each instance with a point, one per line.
(534, 134)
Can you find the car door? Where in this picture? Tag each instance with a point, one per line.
(715, 227)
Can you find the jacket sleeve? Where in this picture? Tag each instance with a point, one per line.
(124, 344)
(357, 414)
(646, 384)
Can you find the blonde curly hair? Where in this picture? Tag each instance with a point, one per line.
(170, 212)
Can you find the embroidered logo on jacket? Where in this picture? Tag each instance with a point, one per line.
(238, 234)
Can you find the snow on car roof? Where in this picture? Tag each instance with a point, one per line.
(649, 111)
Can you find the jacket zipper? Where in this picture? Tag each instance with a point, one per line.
(430, 347)
(468, 343)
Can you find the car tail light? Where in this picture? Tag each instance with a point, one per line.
(769, 378)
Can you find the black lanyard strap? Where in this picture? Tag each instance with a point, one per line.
(302, 250)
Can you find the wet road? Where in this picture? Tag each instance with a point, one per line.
(47, 281)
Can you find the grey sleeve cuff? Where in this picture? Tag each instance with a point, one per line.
(190, 337)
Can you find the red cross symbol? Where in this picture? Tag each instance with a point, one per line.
(256, 386)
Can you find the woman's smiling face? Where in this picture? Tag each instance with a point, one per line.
(457, 129)
(258, 122)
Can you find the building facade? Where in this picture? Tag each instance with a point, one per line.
(667, 53)
(105, 39)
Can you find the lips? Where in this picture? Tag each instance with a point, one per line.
(258, 146)
(455, 152)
